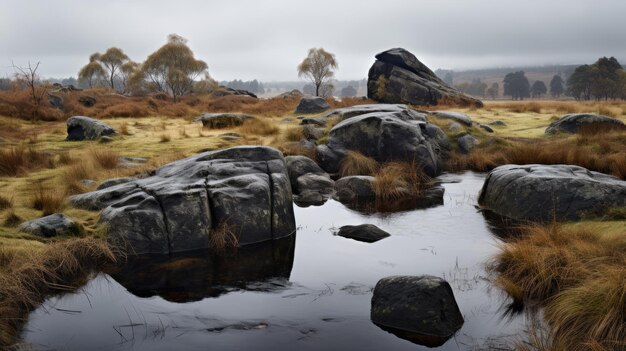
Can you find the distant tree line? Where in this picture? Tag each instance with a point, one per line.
(603, 80)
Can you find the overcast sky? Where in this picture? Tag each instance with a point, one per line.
(248, 39)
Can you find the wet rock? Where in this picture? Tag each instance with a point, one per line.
(222, 120)
(115, 181)
(572, 123)
(354, 189)
(421, 308)
(408, 81)
(312, 105)
(85, 128)
(455, 116)
(55, 100)
(130, 162)
(87, 101)
(310, 184)
(541, 192)
(181, 206)
(368, 233)
(329, 159)
(402, 111)
(316, 121)
(438, 136)
(497, 123)
(467, 143)
(52, 225)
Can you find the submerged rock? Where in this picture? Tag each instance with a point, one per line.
(222, 120)
(544, 192)
(419, 308)
(85, 128)
(572, 123)
(52, 225)
(398, 76)
(368, 233)
(185, 203)
(312, 105)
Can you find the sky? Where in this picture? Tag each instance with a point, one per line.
(265, 40)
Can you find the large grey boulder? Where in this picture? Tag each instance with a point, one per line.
(368, 233)
(420, 306)
(86, 128)
(572, 123)
(185, 203)
(387, 137)
(544, 192)
(52, 225)
(312, 104)
(222, 120)
(405, 80)
(458, 117)
(403, 112)
(309, 183)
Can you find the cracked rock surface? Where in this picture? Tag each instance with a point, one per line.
(539, 192)
(178, 208)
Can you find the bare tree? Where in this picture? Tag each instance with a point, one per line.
(318, 67)
(29, 77)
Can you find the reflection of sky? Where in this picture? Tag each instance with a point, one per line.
(327, 305)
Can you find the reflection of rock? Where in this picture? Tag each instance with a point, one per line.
(85, 128)
(421, 309)
(544, 192)
(200, 274)
(368, 233)
(573, 123)
(182, 204)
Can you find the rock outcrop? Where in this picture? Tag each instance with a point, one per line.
(309, 183)
(354, 189)
(402, 111)
(398, 77)
(312, 104)
(573, 123)
(222, 120)
(544, 192)
(86, 128)
(188, 204)
(421, 306)
(52, 225)
(368, 233)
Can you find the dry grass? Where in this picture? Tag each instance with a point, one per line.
(19, 160)
(29, 279)
(12, 220)
(223, 237)
(104, 157)
(165, 138)
(124, 129)
(297, 149)
(48, 200)
(355, 163)
(73, 175)
(258, 126)
(5, 203)
(398, 180)
(294, 133)
(577, 274)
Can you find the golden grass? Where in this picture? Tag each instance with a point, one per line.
(258, 126)
(293, 133)
(577, 274)
(355, 163)
(398, 180)
(48, 200)
(104, 157)
(165, 138)
(29, 279)
(5, 203)
(19, 160)
(223, 237)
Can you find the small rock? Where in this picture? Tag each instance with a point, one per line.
(467, 143)
(312, 133)
(312, 105)
(353, 189)
(317, 121)
(114, 181)
(52, 225)
(497, 123)
(368, 233)
(455, 127)
(485, 128)
(56, 101)
(105, 139)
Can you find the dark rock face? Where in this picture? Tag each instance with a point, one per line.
(572, 123)
(539, 192)
(87, 101)
(180, 207)
(401, 111)
(56, 101)
(422, 308)
(387, 137)
(328, 158)
(408, 81)
(309, 183)
(455, 116)
(353, 189)
(467, 143)
(222, 120)
(52, 225)
(368, 233)
(85, 128)
(312, 105)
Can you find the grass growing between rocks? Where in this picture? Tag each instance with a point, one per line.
(399, 180)
(355, 163)
(576, 273)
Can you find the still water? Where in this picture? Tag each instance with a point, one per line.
(309, 292)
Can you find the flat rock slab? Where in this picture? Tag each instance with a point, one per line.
(455, 116)
(86, 128)
(544, 192)
(573, 123)
(222, 120)
(184, 205)
(420, 305)
(51, 226)
(312, 105)
(368, 233)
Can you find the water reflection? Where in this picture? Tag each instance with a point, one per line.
(197, 275)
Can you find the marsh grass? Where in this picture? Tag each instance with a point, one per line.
(577, 274)
(258, 126)
(399, 180)
(355, 163)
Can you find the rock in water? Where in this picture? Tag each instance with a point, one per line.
(85, 128)
(309, 183)
(544, 192)
(420, 305)
(312, 105)
(572, 123)
(182, 205)
(52, 225)
(368, 233)
(398, 77)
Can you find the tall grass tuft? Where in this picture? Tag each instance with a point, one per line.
(48, 200)
(19, 160)
(223, 237)
(258, 126)
(103, 157)
(355, 163)
(398, 180)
